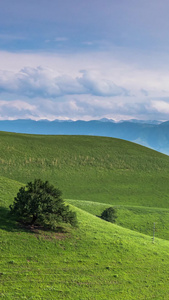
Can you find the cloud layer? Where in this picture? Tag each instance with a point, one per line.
(84, 59)
(66, 90)
(46, 83)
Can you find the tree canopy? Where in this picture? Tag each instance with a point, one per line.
(41, 203)
(109, 214)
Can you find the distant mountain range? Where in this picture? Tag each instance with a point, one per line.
(152, 134)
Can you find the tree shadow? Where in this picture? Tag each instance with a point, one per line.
(7, 222)
(10, 224)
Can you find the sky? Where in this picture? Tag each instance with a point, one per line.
(72, 59)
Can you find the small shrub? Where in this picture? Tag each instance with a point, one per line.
(109, 214)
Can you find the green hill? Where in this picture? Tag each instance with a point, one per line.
(89, 168)
(137, 218)
(97, 260)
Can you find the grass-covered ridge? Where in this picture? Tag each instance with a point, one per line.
(140, 219)
(89, 168)
(99, 260)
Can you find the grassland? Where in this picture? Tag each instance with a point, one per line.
(98, 260)
(97, 169)
(137, 218)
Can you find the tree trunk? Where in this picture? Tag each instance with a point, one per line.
(33, 219)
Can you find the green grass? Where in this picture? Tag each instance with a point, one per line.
(97, 169)
(97, 260)
(140, 219)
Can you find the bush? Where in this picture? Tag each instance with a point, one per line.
(109, 214)
(41, 203)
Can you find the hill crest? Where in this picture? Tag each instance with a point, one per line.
(152, 134)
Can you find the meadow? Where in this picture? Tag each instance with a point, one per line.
(89, 168)
(97, 260)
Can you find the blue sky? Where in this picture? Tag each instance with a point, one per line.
(72, 59)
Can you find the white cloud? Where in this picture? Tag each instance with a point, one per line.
(45, 82)
(83, 107)
(16, 109)
(58, 89)
(160, 106)
(17, 104)
(98, 86)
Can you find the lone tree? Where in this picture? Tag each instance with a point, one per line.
(41, 203)
(109, 214)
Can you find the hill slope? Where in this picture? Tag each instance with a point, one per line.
(138, 218)
(151, 134)
(89, 168)
(98, 260)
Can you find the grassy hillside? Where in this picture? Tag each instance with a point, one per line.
(98, 260)
(89, 168)
(137, 218)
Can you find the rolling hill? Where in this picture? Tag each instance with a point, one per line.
(88, 168)
(152, 134)
(97, 260)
